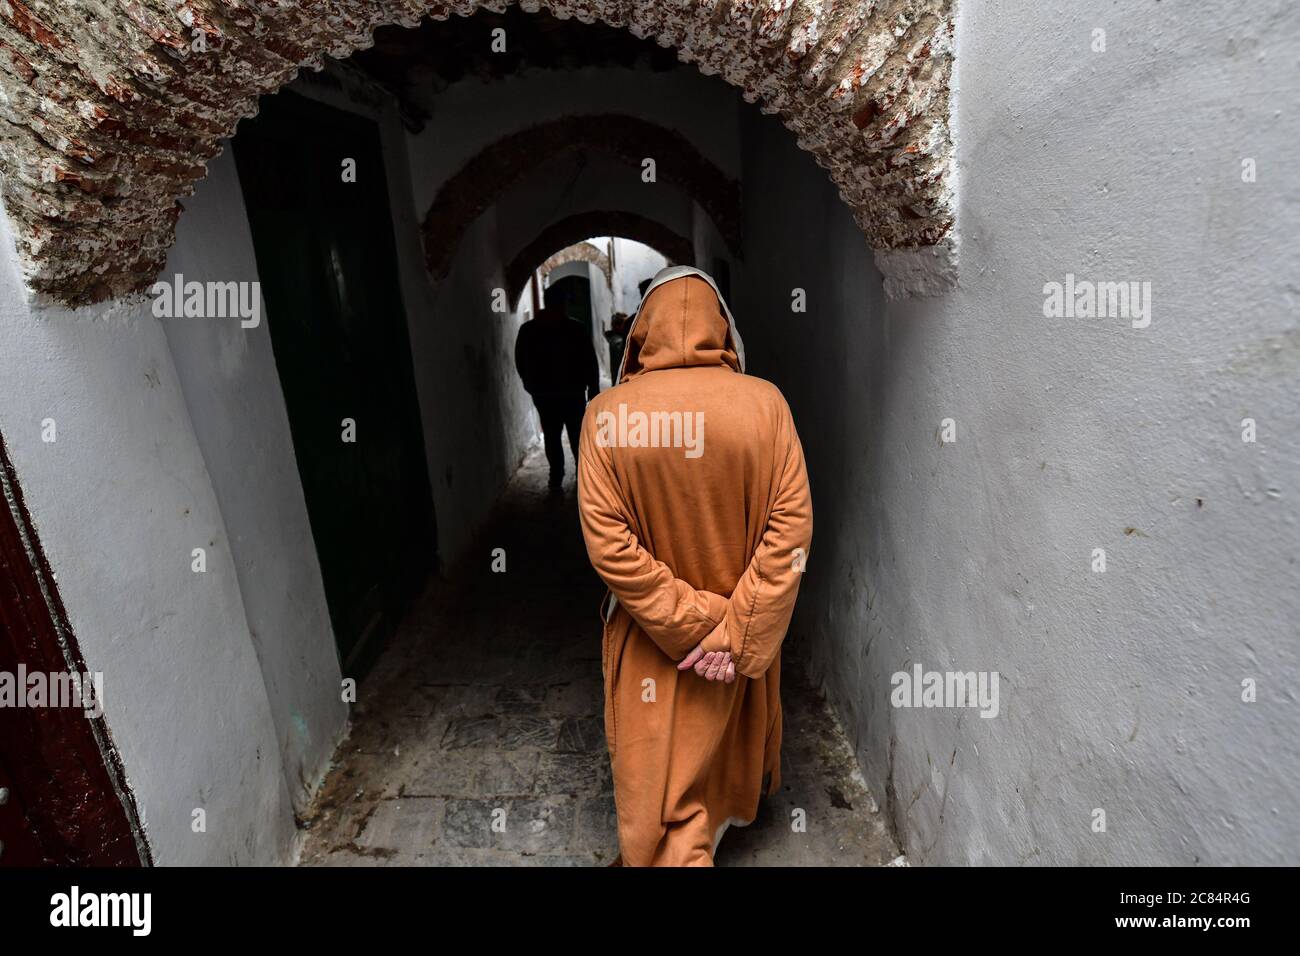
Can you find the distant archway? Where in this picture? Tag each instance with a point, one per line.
(574, 229)
(112, 118)
(578, 252)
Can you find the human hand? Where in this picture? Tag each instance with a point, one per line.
(711, 665)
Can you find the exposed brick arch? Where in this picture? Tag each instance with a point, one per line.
(111, 111)
(484, 178)
(578, 252)
(566, 232)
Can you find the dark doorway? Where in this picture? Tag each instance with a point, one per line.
(63, 797)
(327, 262)
(572, 296)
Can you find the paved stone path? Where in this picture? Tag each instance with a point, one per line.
(487, 706)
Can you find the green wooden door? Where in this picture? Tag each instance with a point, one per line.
(327, 263)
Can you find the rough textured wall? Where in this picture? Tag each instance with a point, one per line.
(109, 116)
(1122, 690)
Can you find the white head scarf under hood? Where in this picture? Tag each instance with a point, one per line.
(668, 275)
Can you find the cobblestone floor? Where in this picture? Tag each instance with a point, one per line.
(488, 701)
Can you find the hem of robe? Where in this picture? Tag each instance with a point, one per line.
(774, 784)
(729, 822)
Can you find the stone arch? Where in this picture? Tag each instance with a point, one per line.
(482, 180)
(578, 252)
(573, 229)
(109, 120)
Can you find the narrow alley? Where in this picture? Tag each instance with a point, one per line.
(488, 699)
(287, 287)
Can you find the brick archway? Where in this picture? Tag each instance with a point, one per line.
(109, 120)
(577, 252)
(483, 179)
(573, 229)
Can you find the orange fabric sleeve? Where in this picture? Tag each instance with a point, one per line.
(675, 615)
(758, 613)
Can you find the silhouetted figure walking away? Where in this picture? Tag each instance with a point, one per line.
(616, 336)
(557, 363)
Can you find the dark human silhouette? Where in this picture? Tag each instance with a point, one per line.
(616, 336)
(557, 363)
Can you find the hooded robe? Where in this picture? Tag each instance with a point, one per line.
(699, 524)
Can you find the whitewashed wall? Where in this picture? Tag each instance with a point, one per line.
(1120, 691)
(120, 499)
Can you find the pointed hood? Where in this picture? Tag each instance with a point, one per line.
(682, 322)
